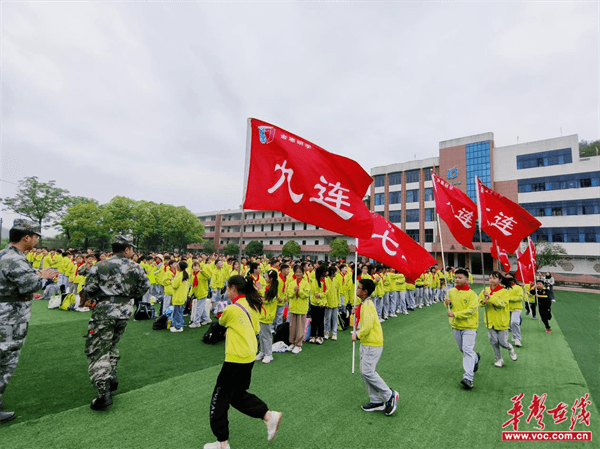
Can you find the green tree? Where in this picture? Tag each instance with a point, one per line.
(231, 249)
(83, 224)
(587, 149)
(547, 254)
(254, 249)
(339, 248)
(39, 201)
(209, 246)
(291, 249)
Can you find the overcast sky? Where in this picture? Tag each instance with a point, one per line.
(150, 100)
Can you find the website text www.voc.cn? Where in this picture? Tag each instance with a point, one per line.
(546, 436)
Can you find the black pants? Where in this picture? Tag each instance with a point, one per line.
(231, 389)
(317, 321)
(545, 313)
(530, 306)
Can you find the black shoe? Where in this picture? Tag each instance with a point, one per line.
(391, 404)
(6, 417)
(477, 362)
(114, 384)
(373, 407)
(102, 402)
(467, 384)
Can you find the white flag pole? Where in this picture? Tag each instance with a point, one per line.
(354, 315)
(481, 244)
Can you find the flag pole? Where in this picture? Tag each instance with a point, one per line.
(481, 243)
(354, 308)
(534, 266)
(443, 259)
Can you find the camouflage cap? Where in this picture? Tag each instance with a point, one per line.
(21, 224)
(123, 240)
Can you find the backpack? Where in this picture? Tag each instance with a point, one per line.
(282, 333)
(54, 302)
(69, 302)
(214, 334)
(144, 311)
(160, 323)
(344, 318)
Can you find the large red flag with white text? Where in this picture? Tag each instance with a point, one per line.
(287, 173)
(503, 220)
(501, 255)
(394, 248)
(456, 209)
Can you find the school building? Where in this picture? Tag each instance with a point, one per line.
(547, 178)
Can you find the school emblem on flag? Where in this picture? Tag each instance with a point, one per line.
(266, 134)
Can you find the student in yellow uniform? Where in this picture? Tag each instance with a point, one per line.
(318, 302)
(428, 278)
(463, 314)
(168, 283)
(266, 317)
(496, 315)
(231, 389)
(530, 303)
(298, 294)
(217, 282)
(382, 398)
(515, 297)
(379, 292)
(181, 287)
(281, 297)
(199, 288)
(333, 304)
(260, 284)
(419, 291)
(78, 279)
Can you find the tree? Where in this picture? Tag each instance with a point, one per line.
(339, 248)
(38, 201)
(254, 249)
(84, 223)
(291, 249)
(209, 246)
(231, 249)
(547, 254)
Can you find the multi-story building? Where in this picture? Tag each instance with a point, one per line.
(273, 229)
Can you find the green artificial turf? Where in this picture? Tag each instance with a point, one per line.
(166, 381)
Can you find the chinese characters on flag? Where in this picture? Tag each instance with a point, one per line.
(527, 264)
(289, 174)
(394, 248)
(456, 209)
(503, 220)
(501, 255)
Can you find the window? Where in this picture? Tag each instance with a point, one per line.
(303, 242)
(412, 196)
(270, 242)
(282, 226)
(413, 234)
(263, 215)
(412, 176)
(478, 164)
(429, 194)
(379, 180)
(395, 216)
(281, 242)
(560, 182)
(427, 173)
(293, 226)
(272, 227)
(253, 228)
(429, 215)
(544, 159)
(395, 198)
(429, 235)
(395, 178)
(412, 215)
(379, 199)
(559, 208)
(316, 242)
(262, 227)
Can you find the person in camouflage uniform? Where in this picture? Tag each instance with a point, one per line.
(113, 284)
(18, 282)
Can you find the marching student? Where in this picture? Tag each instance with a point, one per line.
(318, 302)
(333, 304)
(463, 314)
(370, 334)
(420, 291)
(401, 305)
(495, 300)
(199, 288)
(544, 303)
(241, 320)
(181, 287)
(428, 287)
(531, 303)
(266, 317)
(410, 296)
(379, 292)
(298, 294)
(515, 297)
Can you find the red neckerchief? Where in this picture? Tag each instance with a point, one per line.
(284, 280)
(234, 300)
(255, 280)
(343, 278)
(463, 288)
(195, 281)
(324, 284)
(495, 289)
(77, 269)
(173, 271)
(359, 278)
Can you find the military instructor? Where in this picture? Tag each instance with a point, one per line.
(18, 282)
(113, 284)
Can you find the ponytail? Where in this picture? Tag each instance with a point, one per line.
(183, 266)
(271, 293)
(245, 286)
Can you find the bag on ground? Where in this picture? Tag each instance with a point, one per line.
(144, 311)
(69, 302)
(282, 333)
(160, 323)
(214, 334)
(54, 302)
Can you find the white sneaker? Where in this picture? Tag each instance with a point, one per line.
(405, 313)
(420, 307)
(381, 320)
(326, 336)
(297, 349)
(513, 355)
(517, 343)
(215, 445)
(499, 363)
(273, 425)
(194, 325)
(334, 337)
(174, 329)
(291, 348)
(206, 322)
(268, 359)
(260, 355)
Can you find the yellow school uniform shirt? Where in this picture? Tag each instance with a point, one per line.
(168, 282)
(181, 289)
(298, 300)
(201, 290)
(465, 306)
(515, 298)
(240, 339)
(333, 293)
(370, 333)
(496, 314)
(321, 290)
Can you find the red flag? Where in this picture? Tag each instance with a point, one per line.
(526, 270)
(456, 209)
(501, 255)
(504, 220)
(287, 173)
(394, 248)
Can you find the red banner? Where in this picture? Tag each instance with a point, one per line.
(394, 248)
(456, 209)
(501, 255)
(504, 220)
(527, 264)
(287, 173)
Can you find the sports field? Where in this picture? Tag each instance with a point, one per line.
(166, 381)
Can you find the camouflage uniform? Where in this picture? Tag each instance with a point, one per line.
(18, 281)
(113, 283)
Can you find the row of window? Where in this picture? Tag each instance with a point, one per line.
(280, 226)
(396, 177)
(560, 182)
(545, 158)
(412, 215)
(590, 234)
(559, 208)
(478, 164)
(271, 242)
(412, 196)
(414, 234)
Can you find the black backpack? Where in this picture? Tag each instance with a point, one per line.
(214, 334)
(144, 311)
(160, 323)
(344, 318)
(282, 333)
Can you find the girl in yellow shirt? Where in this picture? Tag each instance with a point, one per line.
(181, 288)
